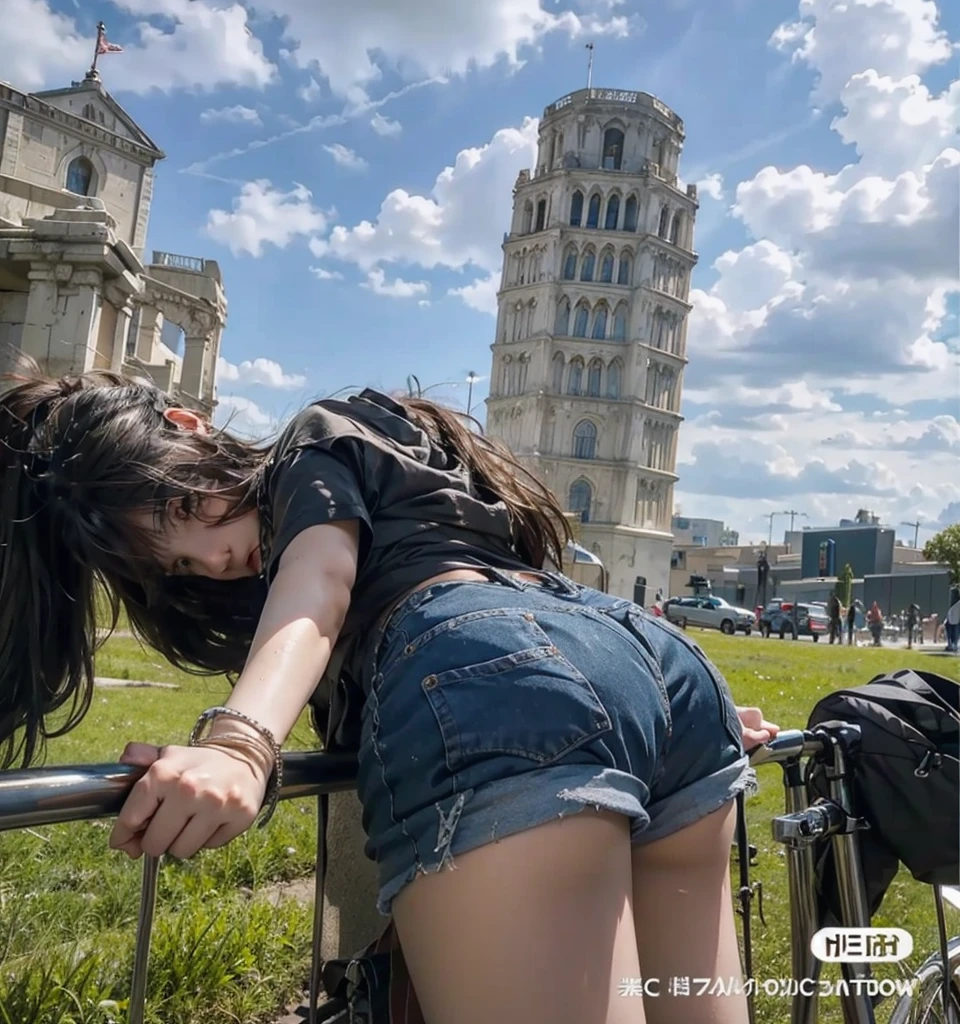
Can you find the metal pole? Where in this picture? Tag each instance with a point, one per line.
(471, 377)
(590, 67)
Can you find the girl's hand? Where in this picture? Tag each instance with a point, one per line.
(755, 730)
(190, 798)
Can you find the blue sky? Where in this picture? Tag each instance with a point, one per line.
(306, 152)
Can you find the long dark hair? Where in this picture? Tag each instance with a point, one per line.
(81, 453)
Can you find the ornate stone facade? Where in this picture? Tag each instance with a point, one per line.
(76, 182)
(591, 332)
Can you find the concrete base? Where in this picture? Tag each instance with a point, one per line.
(350, 917)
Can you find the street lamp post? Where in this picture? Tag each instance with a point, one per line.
(472, 378)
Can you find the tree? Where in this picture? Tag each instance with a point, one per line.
(945, 548)
(845, 585)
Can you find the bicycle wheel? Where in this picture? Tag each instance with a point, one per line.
(925, 1004)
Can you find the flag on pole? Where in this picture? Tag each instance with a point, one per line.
(104, 47)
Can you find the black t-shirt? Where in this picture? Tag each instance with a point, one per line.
(365, 459)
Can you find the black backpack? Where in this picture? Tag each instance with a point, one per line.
(906, 781)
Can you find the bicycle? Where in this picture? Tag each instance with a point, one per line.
(935, 995)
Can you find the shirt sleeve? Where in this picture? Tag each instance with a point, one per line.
(312, 486)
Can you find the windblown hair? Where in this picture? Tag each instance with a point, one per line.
(79, 457)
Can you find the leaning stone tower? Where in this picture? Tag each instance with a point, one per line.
(591, 331)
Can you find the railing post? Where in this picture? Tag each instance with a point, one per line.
(141, 956)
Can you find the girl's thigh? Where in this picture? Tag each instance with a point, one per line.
(538, 927)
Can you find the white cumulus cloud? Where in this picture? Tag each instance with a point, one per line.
(238, 114)
(396, 289)
(261, 371)
(263, 215)
(343, 156)
(385, 126)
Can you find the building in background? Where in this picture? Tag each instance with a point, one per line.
(590, 341)
(76, 292)
(703, 533)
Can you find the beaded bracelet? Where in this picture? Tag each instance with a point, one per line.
(276, 776)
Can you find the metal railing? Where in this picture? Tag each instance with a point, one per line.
(53, 796)
(171, 259)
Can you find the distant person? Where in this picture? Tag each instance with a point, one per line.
(834, 612)
(852, 612)
(875, 623)
(913, 617)
(952, 623)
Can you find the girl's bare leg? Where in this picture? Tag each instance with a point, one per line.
(685, 922)
(537, 927)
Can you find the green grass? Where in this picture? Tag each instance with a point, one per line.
(786, 679)
(220, 954)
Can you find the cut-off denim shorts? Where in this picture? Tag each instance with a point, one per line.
(497, 707)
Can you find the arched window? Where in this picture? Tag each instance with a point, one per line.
(612, 149)
(594, 373)
(664, 221)
(558, 367)
(89, 112)
(585, 440)
(80, 176)
(576, 209)
(593, 211)
(606, 268)
(588, 266)
(675, 229)
(580, 320)
(541, 215)
(600, 322)
(613, 213)
(560, 146)
(614, 374)
(561, 324)
(625, 270)
(575, 380)
(569, 263)
(580, 499)
(630, 214)
(527, 218)
(505, 369)
(620, 323)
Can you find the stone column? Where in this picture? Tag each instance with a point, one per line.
(148, 333)
(117, 356)
(199, 327)
(63, 317)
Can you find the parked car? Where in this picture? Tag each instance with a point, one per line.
(811, 619)
(711, 613)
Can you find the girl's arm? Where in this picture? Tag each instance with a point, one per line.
(196, 797)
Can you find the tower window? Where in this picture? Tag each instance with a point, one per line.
(585, 440)
(630, 214)
(620, 323)
(561, 324)
(558, 368)
(593, 211)
(664, 221)
(575, 380)
(606, 268)
(541, 215)
(594, 373)
(612, 149)
(675, 229)
(527, 217)
(613, 379)
(613, 213)
(589, 265)
(580, 321)
(580, 499)
(570, 264)
(80, 176)
(600, 322)
(576, 209)
(625, 270)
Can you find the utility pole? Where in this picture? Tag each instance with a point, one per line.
(472, 378)
(792, 513)
(771, 516)
(916, 531)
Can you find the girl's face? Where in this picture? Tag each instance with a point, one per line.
(190, 540)
(189, 543)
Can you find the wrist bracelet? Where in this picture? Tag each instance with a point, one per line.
(275, 781)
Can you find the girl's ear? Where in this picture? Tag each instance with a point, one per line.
(186, 419)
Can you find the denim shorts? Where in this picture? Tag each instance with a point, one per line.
(496, 707)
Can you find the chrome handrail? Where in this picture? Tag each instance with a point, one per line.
(52, 796)
(32, 797)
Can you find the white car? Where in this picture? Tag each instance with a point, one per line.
(710, 613)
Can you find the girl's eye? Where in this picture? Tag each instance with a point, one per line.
(181, 565)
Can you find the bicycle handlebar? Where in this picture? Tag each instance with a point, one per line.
(786, 745)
